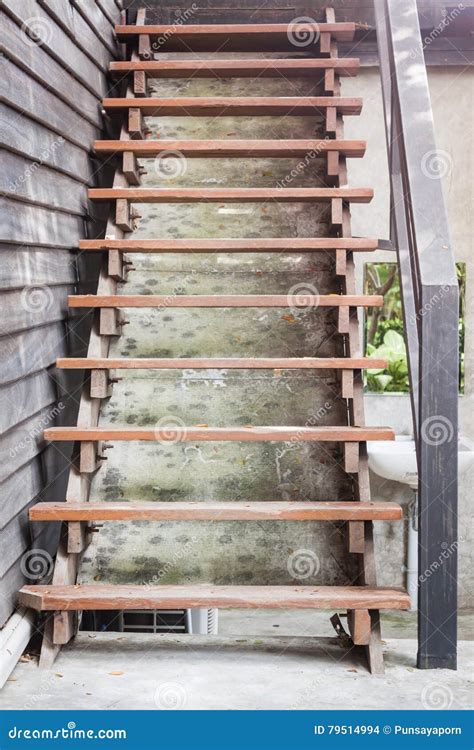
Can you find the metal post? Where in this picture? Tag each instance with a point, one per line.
(430, 287)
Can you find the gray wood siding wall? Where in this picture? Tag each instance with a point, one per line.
(51, 86)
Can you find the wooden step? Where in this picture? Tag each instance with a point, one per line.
(128, 597)
(225, 363)
(233, 148)
(231, 195)
(266, 245)
(215, 68)
(216, 511)
(248, 433)
(225, 300)
(236, 106)
(235, 37)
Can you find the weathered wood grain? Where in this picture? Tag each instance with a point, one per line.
(215, 511)
(96, 596)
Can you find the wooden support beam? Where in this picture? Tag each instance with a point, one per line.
(228, 106)
(238, 245)
(259, 68)
(231, 195)
(129, 597)
(282, 148)
(199, 363)
(246, 434)
(223, 300)
(216, 511)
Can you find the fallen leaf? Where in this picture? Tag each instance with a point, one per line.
(352, 670)
(289, 318)
(57, 674)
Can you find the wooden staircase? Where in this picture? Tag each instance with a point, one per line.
(363, 600)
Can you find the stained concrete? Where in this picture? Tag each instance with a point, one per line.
(226, 552)
(241, 670)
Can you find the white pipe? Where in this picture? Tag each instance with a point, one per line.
(14, 638)
(412, 553)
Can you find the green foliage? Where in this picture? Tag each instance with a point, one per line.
(395, 376)
(384, 331)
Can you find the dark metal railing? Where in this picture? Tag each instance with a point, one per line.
(419, 232)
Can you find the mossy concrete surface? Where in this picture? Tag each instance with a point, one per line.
(226, 552)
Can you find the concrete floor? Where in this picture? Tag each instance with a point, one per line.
(241, 670)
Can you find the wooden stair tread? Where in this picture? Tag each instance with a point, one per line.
(232, 148)
(225, 300)
(202, 433)
(215, 511)
(235, 37)
(286, 244)
(236, 105)
(226, 363)
(231, 195)
(126, 597)
(215, 68)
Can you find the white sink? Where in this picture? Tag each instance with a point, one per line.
(396, 459)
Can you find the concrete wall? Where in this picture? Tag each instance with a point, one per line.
(452, 101)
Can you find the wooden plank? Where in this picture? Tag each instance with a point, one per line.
(216, 68)
(250, 245)
(224, 300)
(21, 135)
(249, 433)
(16, 46)
(215, 511)
(107, 596)
(75, 26)
(98, 21)
(32, 306)
(22, 266)
(235, 37)
(16, 351)
(28, 96)
(238, 148)
(23, 179)
(359, 622)
(197, 363)
(57, 43)
(236, 106)
(24, 224)
(231, 195)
